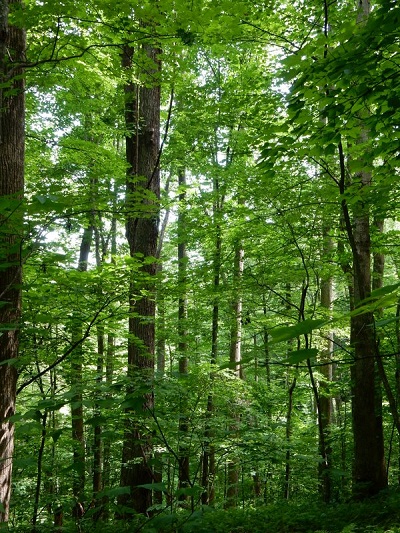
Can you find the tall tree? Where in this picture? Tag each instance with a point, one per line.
(369, 465)
(325, 398)
(78, 429)
(142, 115)
(235, 359)
(12, 136)
(184, 460)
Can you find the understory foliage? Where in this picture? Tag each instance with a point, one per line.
(277, 257)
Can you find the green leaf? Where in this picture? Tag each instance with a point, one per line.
(388, 289)
(301, 355)
(189, 491)
(12, 361)
(133, 404)
(56, 434)
(154, 486)
(155, 507)
(116, 491)
(386, 321)
(291, 332)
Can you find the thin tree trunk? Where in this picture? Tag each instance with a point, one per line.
(378, 267)
(39, 471)
(100, 252)
(110, 355)
(398, 379)
(12, 139)
(208, 460)
(325, 399)
(266, 345)
(184, 465)
(235, 358)
(288, 429)
(43, 419)
(161, 331)
(97, 440)
(109, 371)
(78, 433)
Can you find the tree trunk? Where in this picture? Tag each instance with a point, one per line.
(369, 468)
(97, 481)
(289, 412)
(109, 372)
(398, 379)
(184, 465)
(235, 358)
(43, 435)
(369, 472)
(12, 138)
(378, 267)
(97, 440)
(208, 460)
(78, 433)
(266, 346)
(142, 113)
(325, 399)
(288, 431)
(107, 440)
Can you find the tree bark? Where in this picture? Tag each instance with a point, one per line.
(235, 358)
(12, 139)
(208, 459)
(325, 399)
(369, 471)
(142, 115)
(184, 464)
(78, 431)
(289, 412)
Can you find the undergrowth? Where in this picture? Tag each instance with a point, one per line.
(380, 514)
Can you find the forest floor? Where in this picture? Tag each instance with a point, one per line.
(380, 514)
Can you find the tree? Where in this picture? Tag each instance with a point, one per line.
(184, 458)
(142, 115)
(369, 466)
(12, 135)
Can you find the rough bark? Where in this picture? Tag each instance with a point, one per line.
(369, 472)
(142, 112)
(12, 131)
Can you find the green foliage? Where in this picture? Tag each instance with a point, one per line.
(226, 70)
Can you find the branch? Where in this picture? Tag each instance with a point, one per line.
(67, 353)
